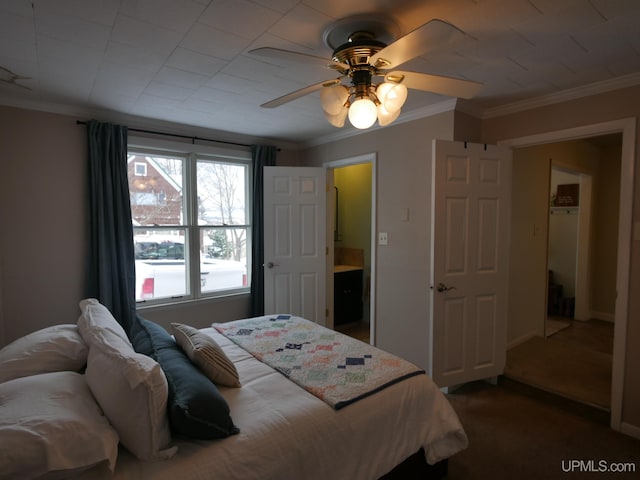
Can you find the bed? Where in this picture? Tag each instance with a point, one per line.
(281, 428)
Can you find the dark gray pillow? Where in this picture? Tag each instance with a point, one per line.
(195, 407)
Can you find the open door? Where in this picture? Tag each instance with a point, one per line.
(295, 242)
(470, 261)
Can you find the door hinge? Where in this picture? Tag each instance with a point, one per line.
(326, 312)
(326, 250)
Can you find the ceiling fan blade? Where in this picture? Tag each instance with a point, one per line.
(290, 55)
(299, 93)
(453, 87)
(433, 34)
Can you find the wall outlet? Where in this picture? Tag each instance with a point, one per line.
(383, 239)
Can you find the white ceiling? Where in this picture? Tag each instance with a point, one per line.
(186, 61)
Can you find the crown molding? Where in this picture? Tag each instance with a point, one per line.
(604, 86)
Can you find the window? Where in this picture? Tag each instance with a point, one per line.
(140, 169)
(190, 214)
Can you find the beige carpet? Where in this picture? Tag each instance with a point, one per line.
(522, 435)
(570, 370)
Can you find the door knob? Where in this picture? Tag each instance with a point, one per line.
(443, 288)
(271, 265)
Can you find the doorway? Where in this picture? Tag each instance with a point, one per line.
(350, 226)
(622, 227)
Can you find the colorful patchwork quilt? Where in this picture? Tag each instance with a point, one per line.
(334, 367)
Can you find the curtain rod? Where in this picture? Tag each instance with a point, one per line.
(190, 137)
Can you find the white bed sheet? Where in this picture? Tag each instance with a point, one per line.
(287, 433)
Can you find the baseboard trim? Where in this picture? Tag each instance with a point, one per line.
(517, 341)
(631, 430)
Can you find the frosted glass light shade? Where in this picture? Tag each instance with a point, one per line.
(385, 117)
(338, 119)
(392, 95)
(362, 113)
(333, 98)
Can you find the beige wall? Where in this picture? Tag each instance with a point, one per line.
(43, 216)
(528, 253)
(610, 106)
(605, 211)
(402, 267)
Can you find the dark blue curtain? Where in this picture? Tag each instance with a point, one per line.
(111, 263)
(263, 156)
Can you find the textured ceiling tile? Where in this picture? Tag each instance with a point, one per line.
(95, 11)
(134, 58)
(240, 17)
(73, 29)
(168, 91)
(191, 61)
(559, 19)
(210, 41)
(154, 39)
(302, 26)
(281, 6)
(180, 78)
(16, 28)
(177, 15)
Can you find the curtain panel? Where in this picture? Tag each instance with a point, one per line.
(111, 261)
(263, 156)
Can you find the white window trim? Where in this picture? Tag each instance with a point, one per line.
(191, 152)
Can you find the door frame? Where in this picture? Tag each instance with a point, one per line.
(627, 127)
(330, 166)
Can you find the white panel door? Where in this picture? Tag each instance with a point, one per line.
(469, 261)
(295, 242)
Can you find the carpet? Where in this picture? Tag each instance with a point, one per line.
(552, 326)
(520, 433)
(569, 370)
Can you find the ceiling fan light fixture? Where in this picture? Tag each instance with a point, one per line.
(333, 99)
(391, 95)
(363, 113)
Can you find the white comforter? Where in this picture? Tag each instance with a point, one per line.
(287, 433)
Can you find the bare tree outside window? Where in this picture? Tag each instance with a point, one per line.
(222, 203)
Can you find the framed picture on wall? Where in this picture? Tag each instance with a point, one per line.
(568, 195)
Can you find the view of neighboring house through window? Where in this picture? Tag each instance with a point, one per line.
(190, 214)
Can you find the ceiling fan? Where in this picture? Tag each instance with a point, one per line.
(10, 78)
(366, 54)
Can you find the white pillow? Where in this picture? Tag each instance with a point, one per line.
(132, 390)
(95, 319)
(51, 425)
(205, 353)
(52, 349)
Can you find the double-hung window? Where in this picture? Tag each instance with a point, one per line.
(191, 220)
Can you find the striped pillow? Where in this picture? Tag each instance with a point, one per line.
(206, 354)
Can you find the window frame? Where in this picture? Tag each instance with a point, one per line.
(190, 154)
